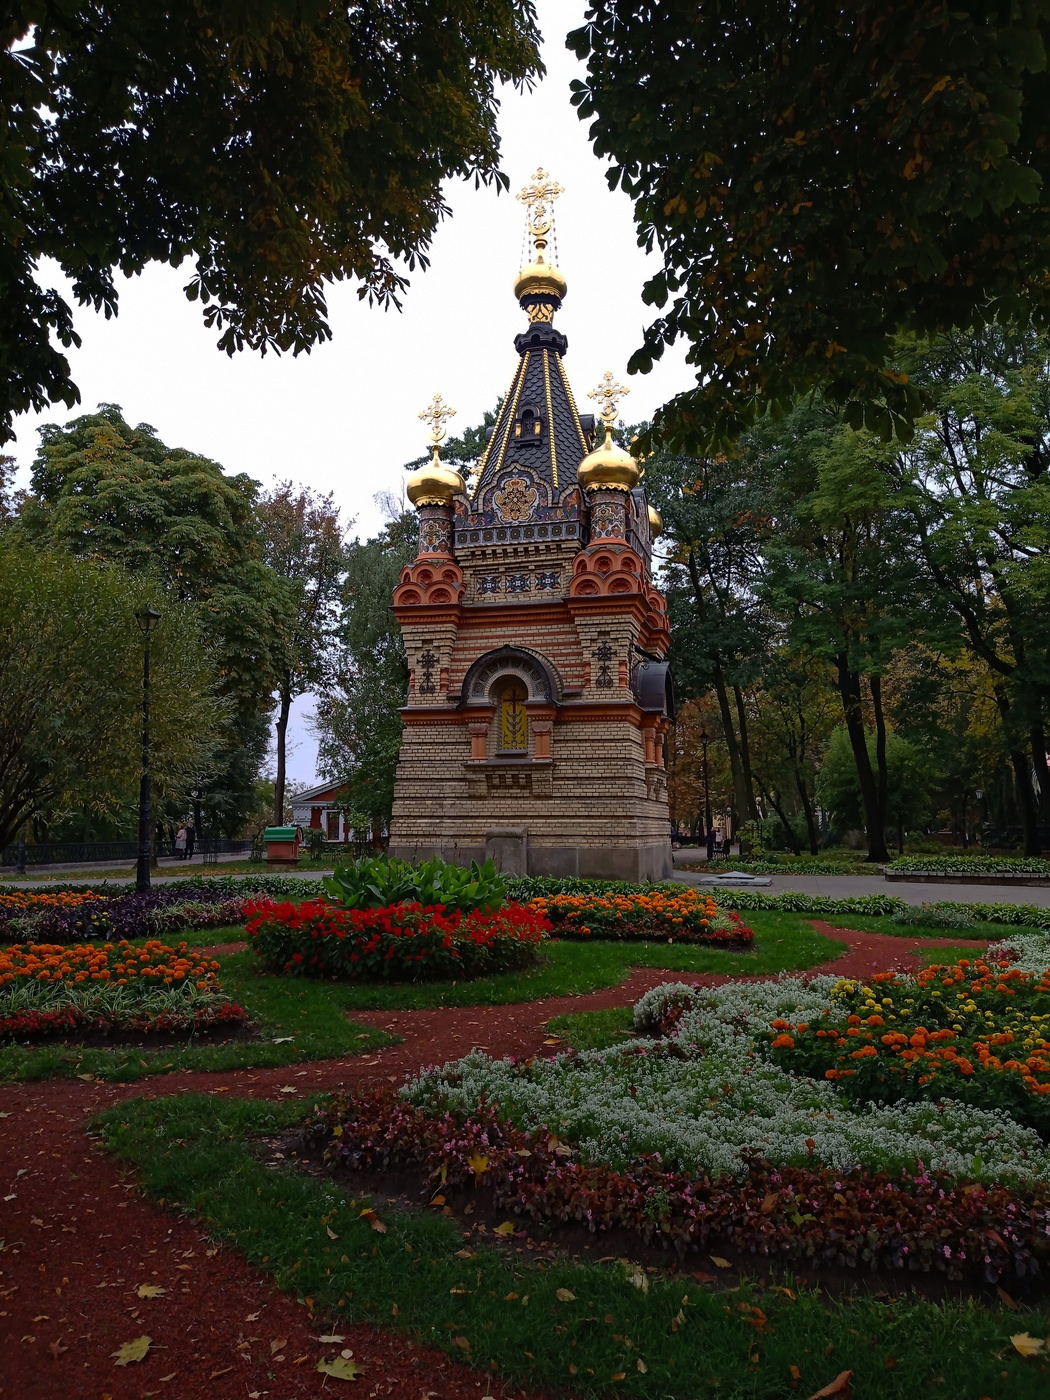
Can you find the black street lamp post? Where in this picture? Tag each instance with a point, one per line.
(147, 619)
(704, 741)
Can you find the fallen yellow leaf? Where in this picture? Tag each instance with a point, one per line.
(132, 1351)
(564, 1296)
(719, 1262)
(341, 1367)
(278, 1344)
(330, 1233)
(506, 1228)
(1028, 1346)
(478, 1164)
(150, 1290)
(839, 1387)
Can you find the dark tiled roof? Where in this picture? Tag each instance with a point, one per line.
(539, 428)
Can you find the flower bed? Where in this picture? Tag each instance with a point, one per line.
(48, 988)
(403, 942)
(684, 914)
(707, 1134)
(795, 1215)
(977, 1031)
(67, 916)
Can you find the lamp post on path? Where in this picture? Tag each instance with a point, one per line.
(147, 619)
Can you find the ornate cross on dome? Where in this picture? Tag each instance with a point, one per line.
(610, 393)
(538, 197)
(436, 414)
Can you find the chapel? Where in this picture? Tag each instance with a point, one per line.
(538, 696)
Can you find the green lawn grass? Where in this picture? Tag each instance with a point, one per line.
(552, 1324)
(884, 924)
(783, 942)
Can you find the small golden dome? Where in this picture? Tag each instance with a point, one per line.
(656, 522)
(435, 484)
(540, 279)
(609, 467)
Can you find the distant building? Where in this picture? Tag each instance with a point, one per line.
(538, 694)
(320, 808)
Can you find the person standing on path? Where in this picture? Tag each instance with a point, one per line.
(180, 843)
(191, 838)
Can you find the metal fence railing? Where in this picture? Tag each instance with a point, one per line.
(84, 852)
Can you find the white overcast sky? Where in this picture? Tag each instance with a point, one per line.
(343, 418)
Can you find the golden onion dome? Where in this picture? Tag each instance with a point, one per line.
(609, 466)
(435, 484)
(656, 522)
(540, 278)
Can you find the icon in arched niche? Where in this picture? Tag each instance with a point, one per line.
(515, 500)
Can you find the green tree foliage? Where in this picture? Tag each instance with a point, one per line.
(280, 147)
(303, 543)
(716, 519)
(838, 567)
(358, 720)
(71, 689)
(978, 474)
(911, 783)
(104, 490)
(816, 177)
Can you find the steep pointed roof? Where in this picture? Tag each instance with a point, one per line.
(538, 426)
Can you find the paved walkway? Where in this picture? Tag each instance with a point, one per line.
(843, 886)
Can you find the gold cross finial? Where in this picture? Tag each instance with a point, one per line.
(610, 393)
(436, 414)
(538, 197)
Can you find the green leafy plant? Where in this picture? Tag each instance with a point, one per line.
(970, 865)
(935, 916)
(377, 881)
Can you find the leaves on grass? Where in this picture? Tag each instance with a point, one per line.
(150, 1290)
(462, 1342)
(340, 1367)
(132, 1351)
(719, 1262)
(565, 1296)
(330, 1232)
(1028, 1346)
(840, 1388)
(1005, 1298)
(639, 1278)
(373, 1220)
(507, 1228)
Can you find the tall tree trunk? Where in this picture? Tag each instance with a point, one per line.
(1027, 805)
(735, 766)
(1026, 802)
(282, 738)
(807, 808)
(785, 821)
(744, 799)
(882, 777)
(875, 816)
(745, 755)
(1042, 771)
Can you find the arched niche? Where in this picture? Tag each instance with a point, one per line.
(510, 663)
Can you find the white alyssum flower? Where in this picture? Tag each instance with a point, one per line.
(710, 1097)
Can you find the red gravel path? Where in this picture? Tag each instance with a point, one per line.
(79, 1241)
